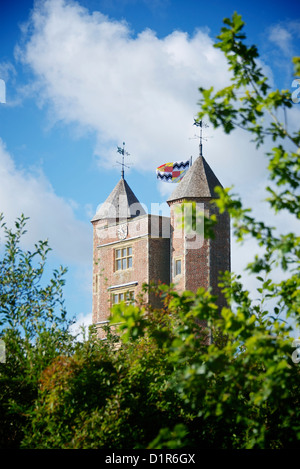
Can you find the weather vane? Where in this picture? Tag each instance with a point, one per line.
(123, 153)
(200, 124)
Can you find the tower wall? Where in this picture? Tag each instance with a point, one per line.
(148, 238)
(159, 265)
(107, 279)
(177, 249)
(220, 253)
(198, 253)
(202, 259)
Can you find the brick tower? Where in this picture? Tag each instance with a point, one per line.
(195, 261)
(130, 248)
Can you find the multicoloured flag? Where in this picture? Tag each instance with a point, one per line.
(173, 172)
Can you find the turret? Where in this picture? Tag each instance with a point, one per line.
(196, 261)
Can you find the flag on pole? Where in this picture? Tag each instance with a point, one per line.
(173, 172)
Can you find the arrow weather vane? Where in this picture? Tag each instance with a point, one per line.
(200, 124)
(123, 153)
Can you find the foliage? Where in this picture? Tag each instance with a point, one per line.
(249, 103)
(103, 397)
(33, 327)
(169, 389)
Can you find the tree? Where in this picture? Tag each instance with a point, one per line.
(33, 328)
(104, 398)
(248, 103)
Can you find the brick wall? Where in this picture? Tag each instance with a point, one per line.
(150, 259)
(177, 248)
(202, 259)
(159, 265)
(220, 247)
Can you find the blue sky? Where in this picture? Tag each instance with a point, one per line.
(82, 77)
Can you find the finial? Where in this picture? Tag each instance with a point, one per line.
(123, 153)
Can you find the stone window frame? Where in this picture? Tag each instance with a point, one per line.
(123, 261)
(177, 260)
(96, 285)
(121, 294)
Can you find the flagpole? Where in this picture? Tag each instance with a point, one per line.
(122, 152)
(200, 124)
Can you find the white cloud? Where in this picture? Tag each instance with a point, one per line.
(97, 73)
(51, 216)
(283, 35)
(93, 71)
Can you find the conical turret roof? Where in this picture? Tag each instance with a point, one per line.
(199, 181)
(120, 204)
